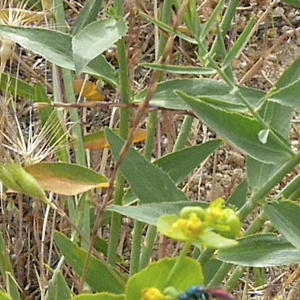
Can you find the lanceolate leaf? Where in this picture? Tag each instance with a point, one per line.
(180, 69)
(211, 91)
(285, 90)
(7, 271)
(284, 215)
(66, 179)
(278, 117)
(241, 131)
(149, 213)
(288, 96)
(88, 14)
(57, 48)
(16, 87)
(148, 182)
(261, 250)
(181, 163)
(99, 296)
(295, 3)
(94, 39)
(290, 75)
(97, 140)
(239, 44)
(100, 276)
(58, 288)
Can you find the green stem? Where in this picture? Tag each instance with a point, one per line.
(176, 268)
(225, 24)
(205, 256)
(136, 247)
(234, 278)
(291, 190)
(184, 133)
(220, 275)
(236, 91)
(151, 126)
(125, 92)
(115, 222)
(246, 209)
(147, 250)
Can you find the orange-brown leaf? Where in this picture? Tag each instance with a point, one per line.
(97, 140)
(66, 179)
(87, 89)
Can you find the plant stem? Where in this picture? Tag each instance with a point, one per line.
(205, 256)
(151, 126)
(225, 24)
(147, 250)
(125, 91)
(259, 195)
(184, 133)
(136, 247)
(176, 268)
(220, 275)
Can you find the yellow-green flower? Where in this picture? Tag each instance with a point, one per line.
(152, 294)
(223, 220)
(189, 228)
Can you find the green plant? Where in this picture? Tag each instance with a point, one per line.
(255, 122)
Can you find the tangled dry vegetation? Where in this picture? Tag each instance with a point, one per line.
(272, 48)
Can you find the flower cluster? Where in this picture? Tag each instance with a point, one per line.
(212, 227)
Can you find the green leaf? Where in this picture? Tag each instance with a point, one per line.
(149, 213)
(239, 196)
(4, 296)
(16, 87)
(102, 247)
(181, 163)
(57, 48)
(65, 179)
(290, 75)
(288, 96)
(295, 3)
(284, 215)
(278, 118)
(168, 28)
(285, 90)
(7, 271)
(99, 296)
(241, 131)
(155, 275)
(58, 288)
(100, 276)
(240, 43)
(174, 69)
(212, 19)
(211, 91)
(148, 182)
(261, 250)
(88, 14)
(94, 39)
